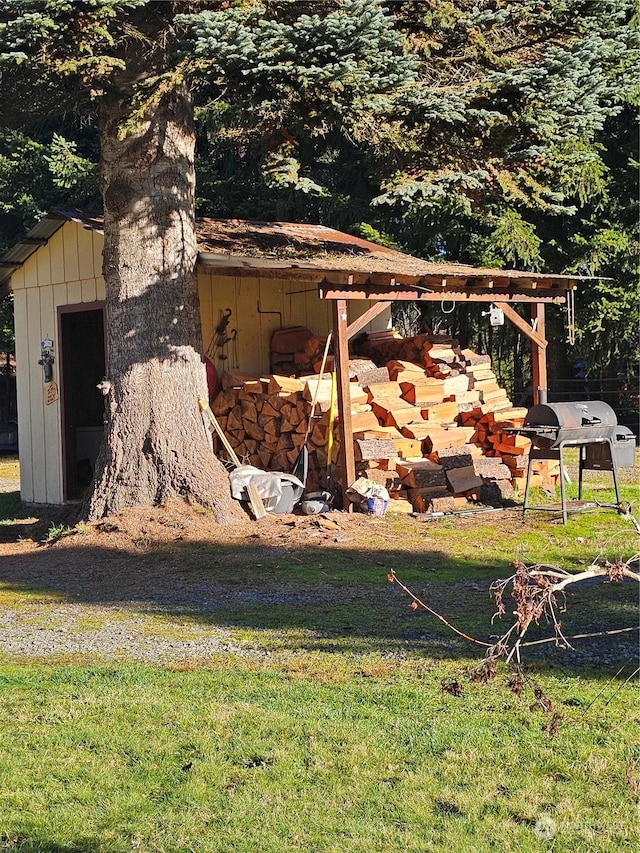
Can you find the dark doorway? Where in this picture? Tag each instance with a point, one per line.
(82, 368)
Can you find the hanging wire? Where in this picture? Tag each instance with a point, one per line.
(571, 316)
(453, 305)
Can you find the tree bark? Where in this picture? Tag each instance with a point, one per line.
(156, 446)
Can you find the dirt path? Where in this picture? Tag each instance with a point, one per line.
(147, 584)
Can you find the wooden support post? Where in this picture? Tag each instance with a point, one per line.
(522, 324)
(364, 319)
(539, 356)
(345, 431)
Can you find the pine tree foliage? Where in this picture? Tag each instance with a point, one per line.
(513, 95)
(278, 84)
(36, 173)
(605, 241)
(482, 131)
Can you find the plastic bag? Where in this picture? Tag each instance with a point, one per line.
(369, 497)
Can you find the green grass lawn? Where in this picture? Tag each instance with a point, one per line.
(343, 721)
(354, 757)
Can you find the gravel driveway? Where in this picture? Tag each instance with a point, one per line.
(160, 586)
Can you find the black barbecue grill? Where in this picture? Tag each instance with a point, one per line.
(590, 425)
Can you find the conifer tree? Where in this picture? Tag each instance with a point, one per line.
(138, 66)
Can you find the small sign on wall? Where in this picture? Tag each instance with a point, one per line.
(50, 393)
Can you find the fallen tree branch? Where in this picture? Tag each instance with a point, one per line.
(392, 578)
(593, 571)
(624, 509)
(582, 636)
(535, 591)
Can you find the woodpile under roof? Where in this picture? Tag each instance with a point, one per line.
(431, 430)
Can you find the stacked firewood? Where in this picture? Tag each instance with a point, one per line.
(295, 351)
(433, 429)
(269, 420)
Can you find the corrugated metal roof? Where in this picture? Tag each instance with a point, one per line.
(292, 249)
(36, 237)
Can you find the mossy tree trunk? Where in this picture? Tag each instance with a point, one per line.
(156, 446)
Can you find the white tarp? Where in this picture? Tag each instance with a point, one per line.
(268, 484)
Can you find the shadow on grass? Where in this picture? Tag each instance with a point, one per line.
(334, 600)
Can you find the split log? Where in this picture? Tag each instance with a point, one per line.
(399, 505)
(488, 384)
(286, 384)
(447, 503)
(389, 479)
(469, 399)
(463, 479)
(254, 430)
(490, 397)
(454, 385)
(438, 439)
(372, 375)
(511, 417)
(379, 432)
(408, 448)
(426, 493)
(517, 465)
(472, 359)
(239, 379)
(417, 475)
(249, 410)
(421, 393)
(420, 429)
(455, 457)
(442, 413)
(365, 449)
(401, 371)
(492, 468)
(401, 417)
(363, 421)
(442, 353)
(223, 403)
(381, 391)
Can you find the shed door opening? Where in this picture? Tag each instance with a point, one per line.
(82, 368)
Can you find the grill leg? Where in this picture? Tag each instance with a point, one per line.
(582, 455)
(563, 494)
(614, 470)
(525, 505)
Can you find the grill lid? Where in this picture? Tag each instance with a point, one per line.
(586, 422)
(587, 413)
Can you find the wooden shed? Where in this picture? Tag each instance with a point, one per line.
(55, 273)
(254, 278)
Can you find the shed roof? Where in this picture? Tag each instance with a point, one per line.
(305, 252)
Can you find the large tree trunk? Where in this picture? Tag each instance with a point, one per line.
(156, 446)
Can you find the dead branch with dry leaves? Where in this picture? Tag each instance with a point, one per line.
(537, 593)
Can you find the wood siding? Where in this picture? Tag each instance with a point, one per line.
(259, 306)
(67, 271)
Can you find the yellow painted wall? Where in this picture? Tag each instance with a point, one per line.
(66, 271)
(259, 306)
